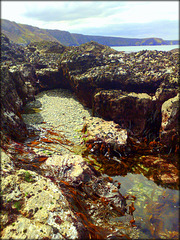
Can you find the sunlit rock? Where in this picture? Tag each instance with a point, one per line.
(35, 207)
(169, 127)
(104, 137)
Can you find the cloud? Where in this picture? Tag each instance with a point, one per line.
(136, 19)
(68, 11)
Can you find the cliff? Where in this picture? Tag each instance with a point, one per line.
(24, 34)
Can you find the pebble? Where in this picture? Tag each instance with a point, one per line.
(60, 110)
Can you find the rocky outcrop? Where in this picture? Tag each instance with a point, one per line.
(146, 79)
(170, 124)
(141, 82)
(10, 52)
(44, 56)
(33, 207)
(133, 111)
(92, 66)
(52, 200)
(104, 137)
(25, 72)
(18, 86)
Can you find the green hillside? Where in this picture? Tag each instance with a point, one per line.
(24, 34)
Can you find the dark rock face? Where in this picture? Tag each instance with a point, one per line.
(131, 110)
(17, 88)
(11, 52)
(25, 71)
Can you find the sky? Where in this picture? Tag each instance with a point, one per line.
(130, 19)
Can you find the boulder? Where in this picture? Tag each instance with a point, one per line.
(71, 168)
(104, 137)
(169, 135)
(91, 195)
(133, 111)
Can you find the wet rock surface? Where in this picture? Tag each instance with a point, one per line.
(53, 205)
(161, 174)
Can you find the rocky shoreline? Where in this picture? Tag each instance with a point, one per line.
(136, 95)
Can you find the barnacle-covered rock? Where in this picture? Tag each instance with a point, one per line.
(75, 171)
(71, 168)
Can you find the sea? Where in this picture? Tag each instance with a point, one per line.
(129, 49)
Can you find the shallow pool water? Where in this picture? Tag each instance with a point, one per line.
(157, 208)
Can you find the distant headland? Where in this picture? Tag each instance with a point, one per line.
(24, 34)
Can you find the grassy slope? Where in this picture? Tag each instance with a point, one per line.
(24, 34)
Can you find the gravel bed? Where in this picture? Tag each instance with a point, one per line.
(58, 109)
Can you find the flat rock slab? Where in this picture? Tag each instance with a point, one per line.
(103, 136)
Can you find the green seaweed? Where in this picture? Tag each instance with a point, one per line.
(28, 177)
(18, 205)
